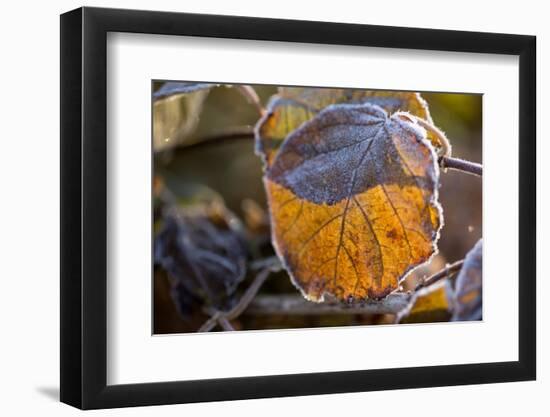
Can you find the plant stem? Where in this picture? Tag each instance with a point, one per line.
(444, 142)
(228, 135)
(225, 324)
(298, 306)
(461, 165)
(252, 97)
(246, 133)
(444, 273)
(222, 317)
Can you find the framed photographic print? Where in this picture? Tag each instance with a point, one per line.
(257, 208)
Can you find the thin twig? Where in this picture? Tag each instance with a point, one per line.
(222, 318)
(445, 272)
(224, 323)
(252, 97)
(461, 165)
(296, 305)
(271, 262)
(218, 138)
(248, 294)
(443, 141)
(246, 133)
(210, 323)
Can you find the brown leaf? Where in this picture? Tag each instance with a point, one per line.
(295, 105)
(204, 253)
(353, 201)
(468, 292)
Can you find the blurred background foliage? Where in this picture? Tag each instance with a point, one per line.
(202, 159)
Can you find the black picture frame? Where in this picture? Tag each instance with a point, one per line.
(84, 207)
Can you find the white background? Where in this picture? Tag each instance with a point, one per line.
(29, 210)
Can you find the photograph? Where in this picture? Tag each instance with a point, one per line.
(267, 206)
(292, 207)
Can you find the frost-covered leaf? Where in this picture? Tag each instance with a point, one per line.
(294, 106)
(176, 111)
(204, 254)
(172, 88)
(353, 201)
(468, 292)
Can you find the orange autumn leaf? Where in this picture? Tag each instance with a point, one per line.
(428, 305)
(294, 106)
(353, 202)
